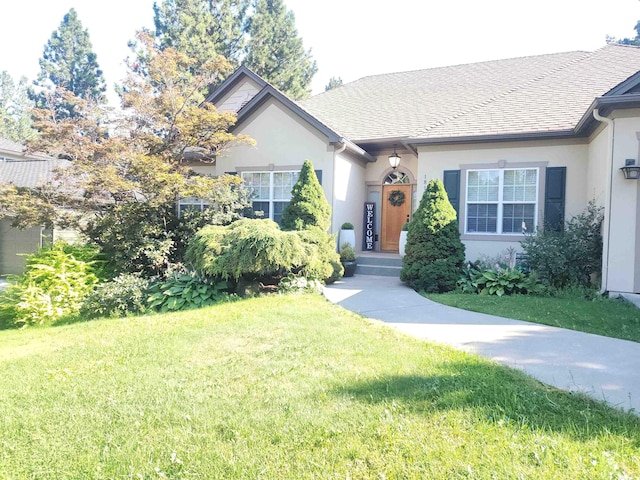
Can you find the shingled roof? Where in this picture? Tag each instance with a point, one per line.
(537, 94)
(25, 170)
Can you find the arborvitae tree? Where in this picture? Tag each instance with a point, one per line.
(68, 62)
(202, 29)
(275, 51)
(434, 254)
(334, 82)
(15, 121)
(308, 207)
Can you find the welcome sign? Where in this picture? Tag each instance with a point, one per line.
(369, 226)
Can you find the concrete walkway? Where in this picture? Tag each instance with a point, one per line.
(604, 368)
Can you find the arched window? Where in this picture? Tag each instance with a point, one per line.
(396, 177)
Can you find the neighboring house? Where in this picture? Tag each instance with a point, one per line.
(517, 142)
(29, 171)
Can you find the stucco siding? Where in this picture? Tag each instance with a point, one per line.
(623, 272)
(283, 142)
(349, 195)
(14, 243)
(434, 160)
(238, 96)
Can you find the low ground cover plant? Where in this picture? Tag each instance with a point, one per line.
(122, 296)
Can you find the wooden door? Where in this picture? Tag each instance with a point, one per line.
(394, 214)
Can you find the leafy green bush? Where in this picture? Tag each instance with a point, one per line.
(434, 254)
(347, 226)
(125, 295)
(347, 253)
(53, 286)
(183, 291)
(570, 257)
(498, 281)
(323, 262)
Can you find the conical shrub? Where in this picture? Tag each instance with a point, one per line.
(434, 254)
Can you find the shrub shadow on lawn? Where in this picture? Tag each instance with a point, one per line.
(498, 395)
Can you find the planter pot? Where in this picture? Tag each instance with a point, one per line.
(403, 242)
(349, 268)
(347, 236)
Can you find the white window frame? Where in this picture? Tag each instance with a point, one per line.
(272, 200)
(184, 202)
(501, 202)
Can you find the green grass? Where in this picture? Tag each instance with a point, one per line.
(286, 387)
(609, 317)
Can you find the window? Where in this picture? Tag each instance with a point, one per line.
(191, 203)
(270, 191)
(501, 201)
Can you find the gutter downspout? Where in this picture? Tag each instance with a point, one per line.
(336, 152)
(607, 213)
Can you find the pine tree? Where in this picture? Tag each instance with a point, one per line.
(275, 51)
(202, 29)
(308, 207)
(15, 121)
(434, 253)
(68, 62)
(334, 82)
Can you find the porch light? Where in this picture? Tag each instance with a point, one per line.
(394, 159)
(630, 170)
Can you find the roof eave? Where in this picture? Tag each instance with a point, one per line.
(605, 105)
(502, 137)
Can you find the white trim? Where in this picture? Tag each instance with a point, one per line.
(500, 202)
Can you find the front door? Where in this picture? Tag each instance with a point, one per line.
(396, 208)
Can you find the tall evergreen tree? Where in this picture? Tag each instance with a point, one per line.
(632, 41)
(68, 62)
(202, 29)
(334, 82)
(275, 51)
(15, 121)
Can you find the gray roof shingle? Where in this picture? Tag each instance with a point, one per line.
(25, 170)
(541, 93)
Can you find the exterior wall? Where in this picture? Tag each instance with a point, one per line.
(283, 142)
(14, 243)
(598, 167)
(434, 160)
(238, 96)
(349, 193)
(622, 231)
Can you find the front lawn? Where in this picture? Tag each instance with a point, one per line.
(286, 387)
(604, 316)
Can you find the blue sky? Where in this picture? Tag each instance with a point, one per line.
(348, 38)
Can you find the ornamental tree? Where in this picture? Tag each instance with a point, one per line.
(127, 170)
(434, 254)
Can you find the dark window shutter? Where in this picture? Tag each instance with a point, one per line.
(319, 175)
(555, 182)
(451, 180)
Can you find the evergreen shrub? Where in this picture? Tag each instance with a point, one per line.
(434, 254)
